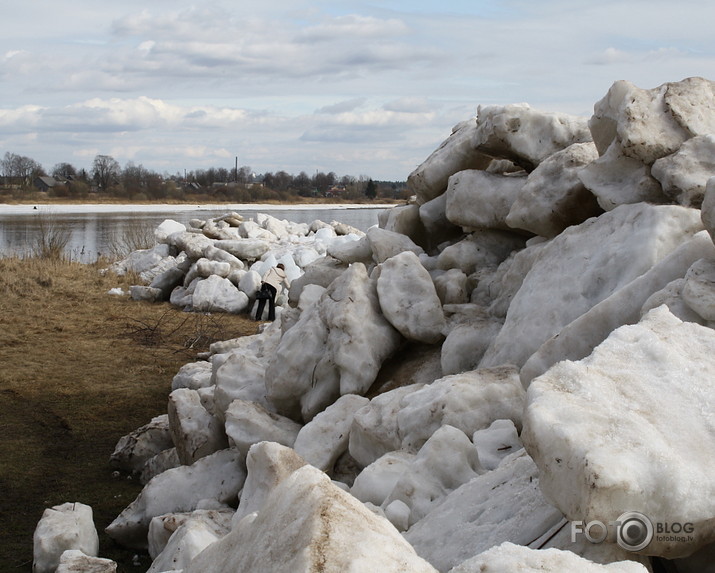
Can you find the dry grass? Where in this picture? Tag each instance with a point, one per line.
(80, 369)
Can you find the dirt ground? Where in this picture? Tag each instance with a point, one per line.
(79, 369)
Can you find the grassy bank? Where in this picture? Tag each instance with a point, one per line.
(80, 369)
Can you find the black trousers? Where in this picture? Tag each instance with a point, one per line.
(270, 289)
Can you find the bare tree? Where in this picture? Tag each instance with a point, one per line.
(134, 177)
(244, 175)
(105, 171)
(282, 180)
(322, 181)
(64, 170)
(19, 168)
(302, 183)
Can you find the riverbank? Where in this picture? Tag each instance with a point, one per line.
(79, 208)
(41, 198)
(81, 368)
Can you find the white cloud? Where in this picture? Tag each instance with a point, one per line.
(113, 114)
(366, 125)
(382, 117)
(261, 50)
(665, 53)
(290, 83)
(121, 115)
(13, 54)
(22, 119)
(609, 56)
(343, 106)
(21, 65)
(409, 105)
(353, 27)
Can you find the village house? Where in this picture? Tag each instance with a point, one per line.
(45, 182)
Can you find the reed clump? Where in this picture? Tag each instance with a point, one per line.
(132, 236)
(51, 238)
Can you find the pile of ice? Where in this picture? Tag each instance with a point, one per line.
(216, 265)
(521, 353)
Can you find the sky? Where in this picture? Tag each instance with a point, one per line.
(357, 88)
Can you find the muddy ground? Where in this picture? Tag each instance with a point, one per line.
(79, 369)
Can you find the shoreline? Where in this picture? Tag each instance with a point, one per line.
(78, 208)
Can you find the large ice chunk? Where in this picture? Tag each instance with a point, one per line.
(63, 527)
(649, 124)
(456, 153)
(195, 432)
(325, 437)
(408, 298)
(446, 461)
(217, 477)
(374, 432)
(482, 200)
(707, 210)
(248, 423)
(502, 505)
(554, 197)
(216, 294)
(511, 558)
(684, 174)
(578, 339)
(337, 347)
(524, 135)
(584, 265)
(469, 401)
(309, 524)
(386, 244)
(632, 428)
(268, 464)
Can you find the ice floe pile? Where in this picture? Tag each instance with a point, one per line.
(522, 353)
(216, 265)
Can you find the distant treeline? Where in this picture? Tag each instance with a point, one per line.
(22, 174)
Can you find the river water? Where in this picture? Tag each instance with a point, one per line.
(94, 228)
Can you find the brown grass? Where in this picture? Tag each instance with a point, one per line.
(80, 369)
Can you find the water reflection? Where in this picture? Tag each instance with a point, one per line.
(93, 234)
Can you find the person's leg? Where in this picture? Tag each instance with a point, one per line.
(272, 303)
(261, 306)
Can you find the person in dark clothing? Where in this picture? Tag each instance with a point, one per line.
(272, 281)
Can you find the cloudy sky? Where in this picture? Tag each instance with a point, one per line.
(358, 88)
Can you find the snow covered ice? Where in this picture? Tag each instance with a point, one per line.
(66, 527)
(526, 345)
(632, 427)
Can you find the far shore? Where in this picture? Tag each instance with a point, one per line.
(72, 208)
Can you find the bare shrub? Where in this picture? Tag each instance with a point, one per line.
(51, 239)
(134, 236)
(194, 333)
